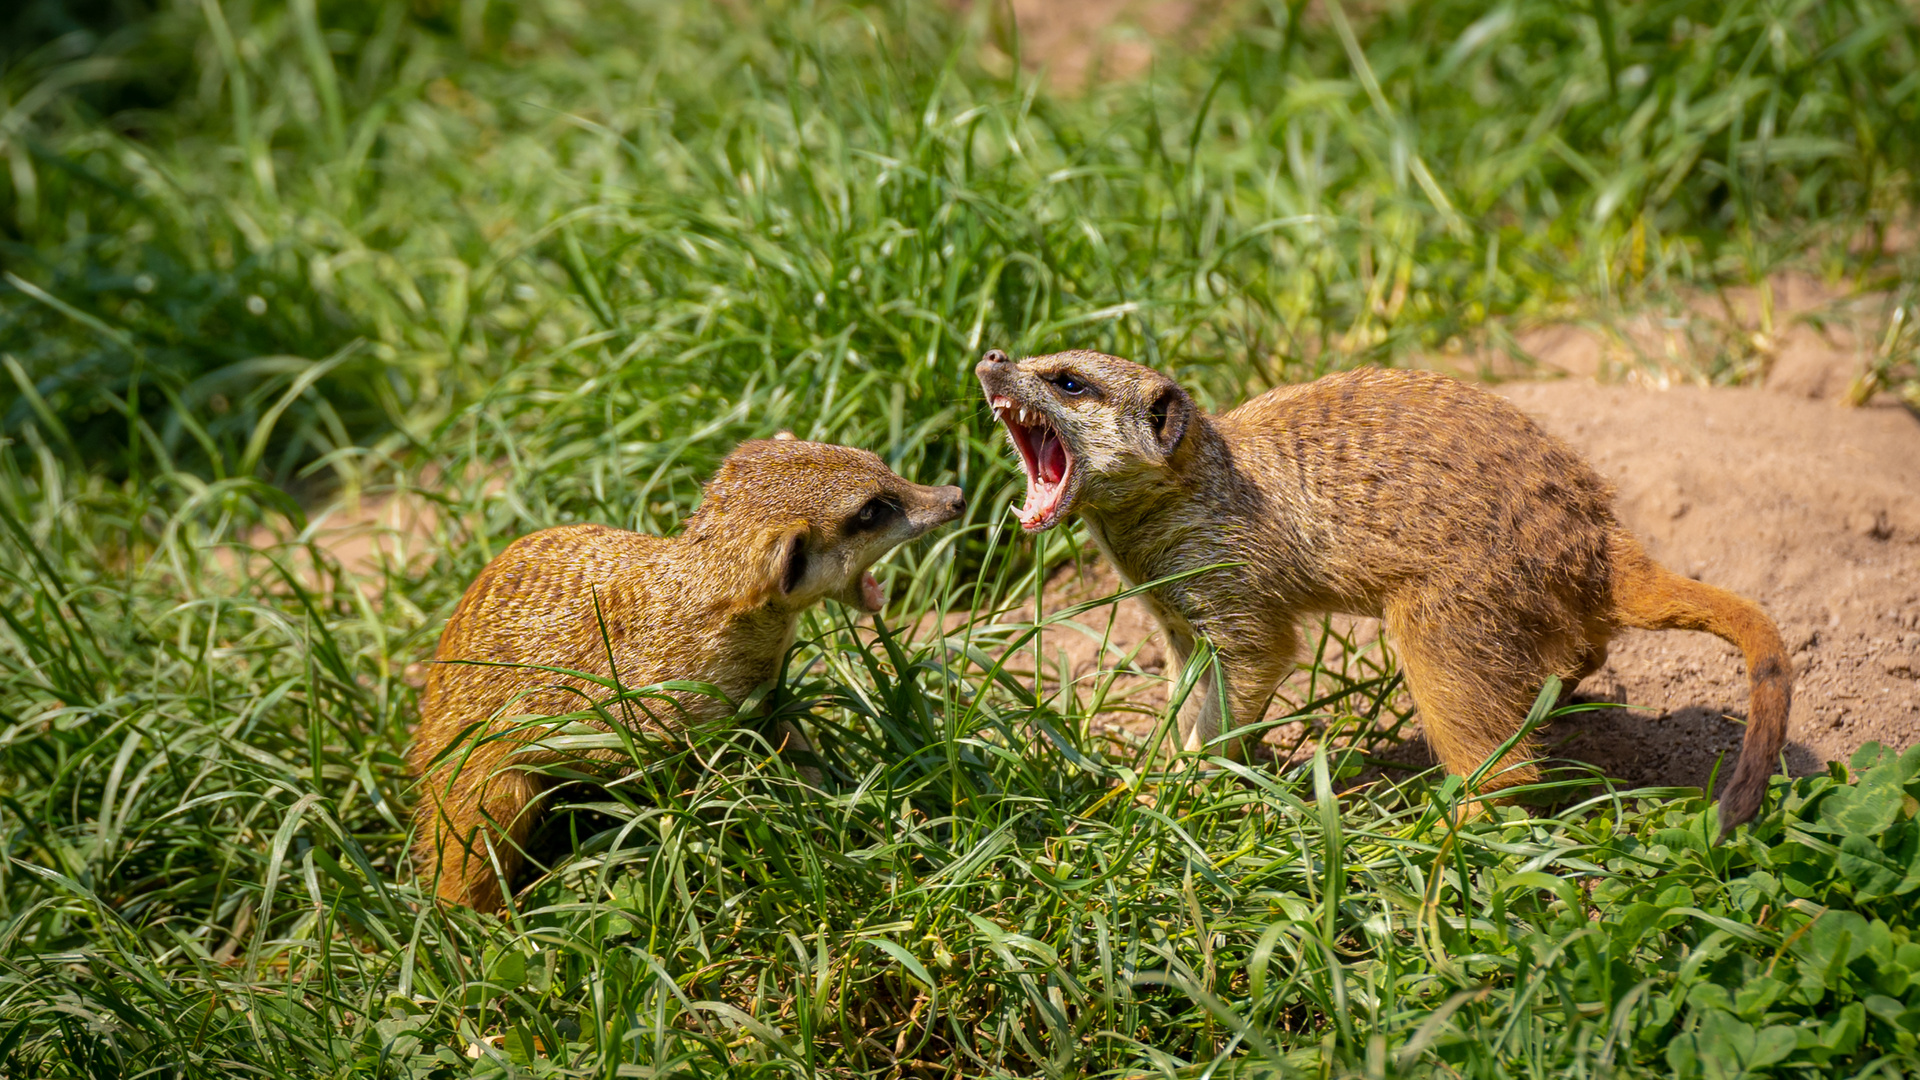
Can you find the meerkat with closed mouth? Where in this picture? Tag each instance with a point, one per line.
(781, 525)
(1487, 547)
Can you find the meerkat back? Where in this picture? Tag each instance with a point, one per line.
(1413, 473)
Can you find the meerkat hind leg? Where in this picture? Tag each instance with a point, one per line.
(1471, 699)
(476, 825)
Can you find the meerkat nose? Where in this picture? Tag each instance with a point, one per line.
(954, 501)
(994, 356)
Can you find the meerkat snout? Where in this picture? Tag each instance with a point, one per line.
(831, 512)
(782, 524)
(832, 558)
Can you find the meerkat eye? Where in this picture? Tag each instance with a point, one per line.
(876, 511)
(1070, 385)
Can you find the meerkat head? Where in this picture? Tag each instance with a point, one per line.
(810, 519)
(1089, 427)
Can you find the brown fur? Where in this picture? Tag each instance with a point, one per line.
(779, 528)
(1488, 547)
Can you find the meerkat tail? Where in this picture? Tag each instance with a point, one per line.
(1651, 597)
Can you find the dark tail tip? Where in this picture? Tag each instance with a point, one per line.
(1740, 800)
(1772, 699)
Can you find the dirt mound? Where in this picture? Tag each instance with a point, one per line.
(1809, 508)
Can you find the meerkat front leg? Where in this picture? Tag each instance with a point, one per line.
(1250, 670)
(482, 816)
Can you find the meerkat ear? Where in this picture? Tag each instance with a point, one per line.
(794, 562)
(1168, 416)
(786, 564)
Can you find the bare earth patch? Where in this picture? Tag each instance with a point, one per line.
(1797, 333)
(1082, 44)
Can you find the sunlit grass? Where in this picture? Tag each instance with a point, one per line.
(546, 263)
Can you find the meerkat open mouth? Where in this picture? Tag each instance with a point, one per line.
(1048, 462)
(871, 596)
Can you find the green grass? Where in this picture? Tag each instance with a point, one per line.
(547, 262)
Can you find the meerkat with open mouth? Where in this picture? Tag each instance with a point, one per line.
(1489, 548)
(782, 525)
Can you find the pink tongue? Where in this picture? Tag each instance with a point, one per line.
(871, 594)
(1052, 461)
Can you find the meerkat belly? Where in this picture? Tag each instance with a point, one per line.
(1212, 587)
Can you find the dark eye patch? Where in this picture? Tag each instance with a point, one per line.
(875, 513)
